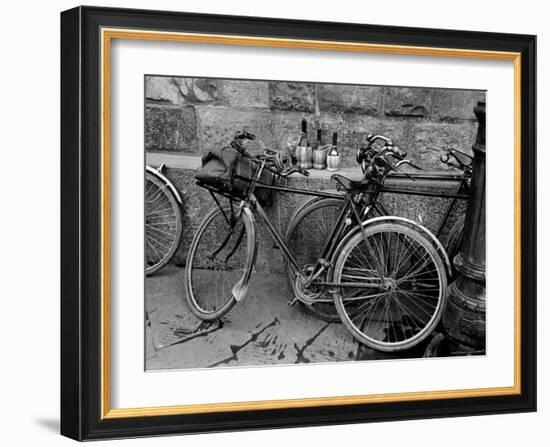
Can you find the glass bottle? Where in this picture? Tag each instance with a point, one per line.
(333, 157)
(303, 151)
(320, 153)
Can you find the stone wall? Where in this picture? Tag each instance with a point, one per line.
(189, 116)
(192, 115)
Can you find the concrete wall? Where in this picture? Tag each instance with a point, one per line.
(189, 116)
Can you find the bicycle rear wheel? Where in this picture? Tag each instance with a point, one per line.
(454, 240)
(163, 224)
(219, 263)
(307, 232)
(401, 286)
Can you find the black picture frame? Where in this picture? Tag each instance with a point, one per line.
(81, 217)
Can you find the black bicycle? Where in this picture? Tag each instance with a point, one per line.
(386, 278)
(313, 221)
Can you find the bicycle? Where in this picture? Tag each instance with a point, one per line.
(321, 213)
(387, 278)
(163, 219)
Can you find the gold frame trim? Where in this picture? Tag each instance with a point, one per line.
(107, 35)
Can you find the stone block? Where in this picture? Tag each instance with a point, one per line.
(197, 202)
(405, 101)
(285, 127)
(217, 126)
(455, 105)
(349, 99)
(425, 210)
(183, 91)
(245, 93)
(296, 96)
(169, 128)
(162, 90)
(279, 129)
(427, 140)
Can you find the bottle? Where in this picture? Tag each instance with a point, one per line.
(333, 157)
(320, 153)
(303, 151)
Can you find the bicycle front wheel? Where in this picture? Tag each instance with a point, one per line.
(395, 286)
(163, 224)
(219, 263)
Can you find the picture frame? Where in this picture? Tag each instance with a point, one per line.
(86, 37)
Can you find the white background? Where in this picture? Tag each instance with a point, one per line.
(30, 232)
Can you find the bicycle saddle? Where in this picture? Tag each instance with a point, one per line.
(349, 184)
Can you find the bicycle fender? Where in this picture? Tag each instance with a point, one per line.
(430, 236)
(411, 223)
(157, 173)
(240, 289)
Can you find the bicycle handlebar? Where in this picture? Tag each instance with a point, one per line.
(378, 161)
(372, 138)
(456, 162)
(393, 151)
(270, 158)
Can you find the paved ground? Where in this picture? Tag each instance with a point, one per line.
(262, 329)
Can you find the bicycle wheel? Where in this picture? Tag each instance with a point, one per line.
(163, 224)
(219, 263)
(454, 240)
(401, 286)
(307, 232)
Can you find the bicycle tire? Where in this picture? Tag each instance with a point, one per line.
(454, 240)
(415, 309)
(229, 244)
(163, 224)
(300, 243)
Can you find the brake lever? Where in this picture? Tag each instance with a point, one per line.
(462, 153)
(235, 145)
(398, 169)
(457, 163)
(241, 150)
(409, 162)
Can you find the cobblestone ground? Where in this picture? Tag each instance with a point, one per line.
(261, 330)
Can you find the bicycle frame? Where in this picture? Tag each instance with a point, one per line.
(334, 238)
(349, 208)
(329, 246)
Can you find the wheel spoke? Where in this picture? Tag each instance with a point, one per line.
(162, 224)
(405, 306)
(218, 258)
(307, 233)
